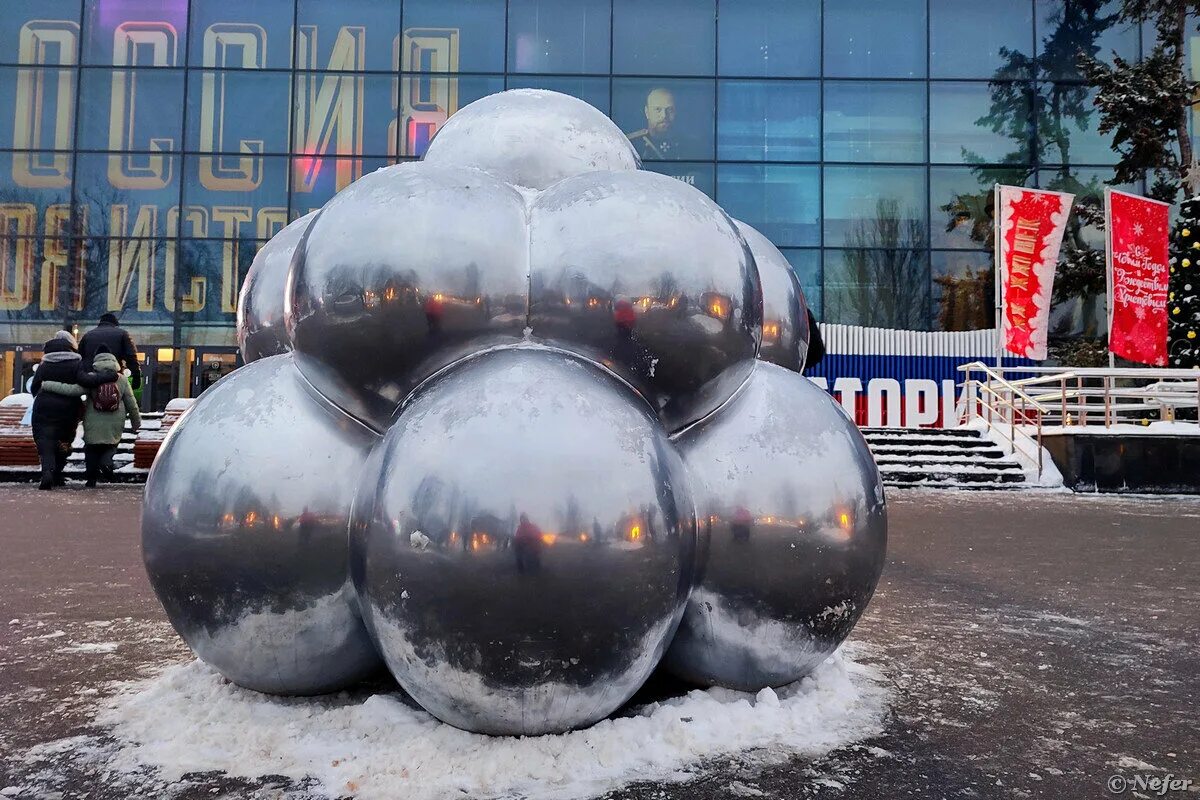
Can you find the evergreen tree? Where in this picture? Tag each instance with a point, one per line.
(1183, 300)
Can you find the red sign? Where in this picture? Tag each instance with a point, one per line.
(1137, 251)
(1031, 224)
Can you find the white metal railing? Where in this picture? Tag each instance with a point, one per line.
(1015, 401)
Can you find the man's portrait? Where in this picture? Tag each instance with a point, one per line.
(659, 139)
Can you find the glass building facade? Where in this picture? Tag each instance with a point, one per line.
(149, 147)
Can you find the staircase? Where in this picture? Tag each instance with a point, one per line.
(942, 457)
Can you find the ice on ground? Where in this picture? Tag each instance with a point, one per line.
(190, 720)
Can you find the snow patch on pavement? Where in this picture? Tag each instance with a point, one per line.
(189, 720)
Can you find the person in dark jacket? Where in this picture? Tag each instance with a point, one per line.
(110, 334)
(55, 416)
(102, 428)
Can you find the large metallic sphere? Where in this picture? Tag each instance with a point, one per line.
(260, 328)
(244, 533)
(403, 272)
(646, 275)
(532, 138)
(793, 535)
(524, 553)
(785, 313)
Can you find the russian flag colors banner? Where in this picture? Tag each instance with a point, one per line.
(1029, 230)
(1137, 277)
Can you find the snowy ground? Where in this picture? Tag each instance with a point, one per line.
(1021, 645)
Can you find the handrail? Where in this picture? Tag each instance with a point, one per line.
(993, 374)
(1004, 402)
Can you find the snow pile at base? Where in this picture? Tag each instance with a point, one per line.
(189, 719)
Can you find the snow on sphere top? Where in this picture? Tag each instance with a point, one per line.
(532, 138)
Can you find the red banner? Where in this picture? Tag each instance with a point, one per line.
(1137, 251)
(1031, 226)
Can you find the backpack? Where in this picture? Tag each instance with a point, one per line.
(106, 397)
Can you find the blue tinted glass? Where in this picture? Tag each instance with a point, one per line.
(342, 114)
(1088, 187)
(782, 202)
(807, 264)
(558, 35)
(426, 102)
(1066, 27)
(238, 111)
(667, 120)
(127, 194)
(593, 91)
(131, 109)
(960, 202)
(39, 179)
(875, 207)
(770, 38)
(315, 180)
(223, 265)
(962, 292)
(874, 121)
(878, 288)
(37, 108)
(347, 35)
(699, 175)
(240, 187)
(980, 38)
(664, 37)
(453, 36)
(139, 301)
(1067, 126)
(248, 34)
(872, 39)
(768, 121)
(145, 33)
(39, 32)
(974, 122)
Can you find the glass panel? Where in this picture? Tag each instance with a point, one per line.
(127, 194)
(665, 37)
(1067, 126)
(979, 122)
(39, 32)
(34, 290)
(147, 33)
(782, 202)
(980, 38)
(220, 266)
(138, 299)
(876, 121)
(251, 34)
(878, 288)
(316, 180)
(593, 91)
(769, 121)
(558, 35)
(427, 102)
(1064, 27)
(342, 114)
(870, 39)
(458, 36)
(32, 185)
(963, 294)
(238, 112)
(131, 109)
(232, 197)
(875, 207)
(960, 204)
(37, 108)
(702, 176)
(770, 38)
(1088, 187)
(666, 119)
(348, 35)
(807, 264)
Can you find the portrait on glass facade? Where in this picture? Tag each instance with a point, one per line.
(667, 120)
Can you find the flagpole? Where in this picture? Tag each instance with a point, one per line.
(998, 277)
(1108, 271)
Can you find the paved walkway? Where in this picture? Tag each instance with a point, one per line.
(1038, 644)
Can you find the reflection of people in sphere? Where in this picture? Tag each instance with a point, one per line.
(658, 139)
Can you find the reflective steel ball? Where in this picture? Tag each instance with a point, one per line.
(260, 325)
(785, 312)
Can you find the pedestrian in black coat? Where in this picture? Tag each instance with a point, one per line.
(110, 334)
(55, 417)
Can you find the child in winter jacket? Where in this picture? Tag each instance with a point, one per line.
(109, 400)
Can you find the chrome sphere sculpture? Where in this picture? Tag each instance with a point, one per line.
(523, 420)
